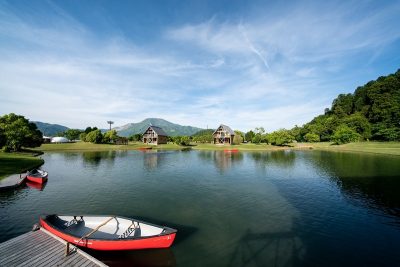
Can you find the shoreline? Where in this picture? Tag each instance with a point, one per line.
(379, 148)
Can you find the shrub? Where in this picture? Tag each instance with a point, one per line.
(311, 137)
(344, 134)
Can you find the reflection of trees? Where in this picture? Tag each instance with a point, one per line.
(94, 158)
(372, 179)
(222, 160)
(279, 158)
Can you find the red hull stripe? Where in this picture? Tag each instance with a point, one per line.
(34, 179)
(163, 241)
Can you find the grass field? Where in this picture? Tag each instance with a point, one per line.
(391, 148)
(11, 163)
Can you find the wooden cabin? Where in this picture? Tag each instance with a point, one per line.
(154, 136)
(223, 135)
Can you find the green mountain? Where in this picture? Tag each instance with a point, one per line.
(170, 128)
(48, 129)
(372, 112)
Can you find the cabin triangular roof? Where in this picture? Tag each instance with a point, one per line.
(225, 128)
(158, 130)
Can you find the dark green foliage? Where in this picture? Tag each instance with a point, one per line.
(238, 138)
(344, 134)
(373, 112)
(249, 136)
(72, 134)
(203, 136)
(82, 137)
(18, 132)
(135, 137)
(311, 137)
(181, 140)
(94, 137)
(280, 138)
(89, 129)
(110, 137)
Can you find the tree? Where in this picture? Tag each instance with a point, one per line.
(135, 137)
(90, 129)
(72, 134)
(110, 136)
(94, 137)
(280, 138)
(249, 136)
(311, 137)
(82, 137)
(238, 138)
(18, 132)
(360, 124)
(344, 134)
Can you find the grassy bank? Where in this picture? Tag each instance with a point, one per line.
(11, 163)
(390, 148)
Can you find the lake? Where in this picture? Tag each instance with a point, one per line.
(282, 208)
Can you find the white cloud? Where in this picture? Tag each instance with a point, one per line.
(271, 71)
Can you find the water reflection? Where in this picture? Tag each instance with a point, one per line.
(153, 159)
(36, 186)
(281, 158)
(95, 158)
(148, 257)
(268, 249)
(368, 180)
(221, 159)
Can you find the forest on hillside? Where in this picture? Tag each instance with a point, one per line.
(372, 112)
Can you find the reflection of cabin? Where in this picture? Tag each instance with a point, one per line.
(154, 135)
(223, 135)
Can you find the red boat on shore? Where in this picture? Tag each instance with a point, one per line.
(108, 232)
(37, 176)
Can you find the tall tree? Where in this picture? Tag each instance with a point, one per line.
(18, 132)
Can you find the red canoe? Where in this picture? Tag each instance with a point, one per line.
(37, 176)
(108, 232)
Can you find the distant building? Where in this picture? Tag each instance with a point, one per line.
(223, 135)
(59, 139)
(154, 136)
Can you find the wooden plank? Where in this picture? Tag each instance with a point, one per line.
(15, 250)
(42, 248)
(28, 253)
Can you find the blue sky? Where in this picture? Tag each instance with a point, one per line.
(242, 63)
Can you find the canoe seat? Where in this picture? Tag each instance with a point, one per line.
(73, 222)
(132, 228)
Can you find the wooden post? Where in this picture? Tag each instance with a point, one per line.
(67, 249)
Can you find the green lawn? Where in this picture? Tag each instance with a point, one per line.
(11, 163)
(389, 148)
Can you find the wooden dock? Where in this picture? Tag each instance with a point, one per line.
(42, 248)
(12, 181)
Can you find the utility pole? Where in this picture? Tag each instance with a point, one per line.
(110, 122)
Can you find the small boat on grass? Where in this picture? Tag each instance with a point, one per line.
(108, 232)
(37, 176)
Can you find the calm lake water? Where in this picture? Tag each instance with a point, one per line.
(284, 208)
